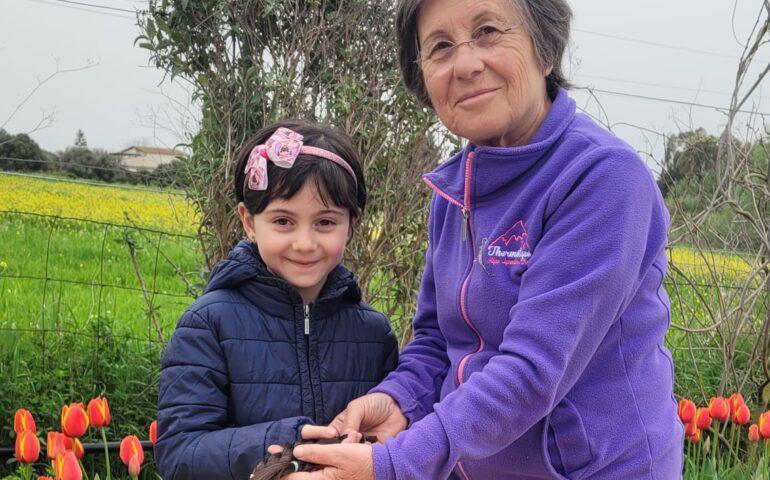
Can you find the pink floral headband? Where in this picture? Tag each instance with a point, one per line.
(282, 148)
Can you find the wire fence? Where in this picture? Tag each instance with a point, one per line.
(89, 294)
(88, 300)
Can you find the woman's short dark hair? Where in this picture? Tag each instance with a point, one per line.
(546, 21)
(334, 184)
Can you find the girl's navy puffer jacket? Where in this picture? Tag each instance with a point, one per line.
(249, 364)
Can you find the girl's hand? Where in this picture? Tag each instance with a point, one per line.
(374, 414)
(343, 462)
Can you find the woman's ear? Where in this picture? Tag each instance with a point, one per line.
(247, 220)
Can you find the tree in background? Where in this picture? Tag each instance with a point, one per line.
(689, 158)
(252, 62)
(688, 181)
(82, 162)
(20, 153)
(80, 139)
(174, 174)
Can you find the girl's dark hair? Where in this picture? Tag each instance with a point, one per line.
(333, 183)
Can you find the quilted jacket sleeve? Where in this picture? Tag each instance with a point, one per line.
(195, 440)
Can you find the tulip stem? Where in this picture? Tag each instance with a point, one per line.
(732, 445)
(106, 453)
(83, 469)
(25, 471)
(715, 445)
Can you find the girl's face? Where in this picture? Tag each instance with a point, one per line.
(300, 239)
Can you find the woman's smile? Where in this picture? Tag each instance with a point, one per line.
(476, 96)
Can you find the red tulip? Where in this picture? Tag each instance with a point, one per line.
(78, 449)
(686, 410)
(44, 477)
(74, 421)
(67, 467)
(23, 420)
(154, 432)
(764, 425)
(57, 444)
(134, 466)
(131, 451)
(719, 408)
(27, 447)
(695, 438)
(735, 400)
(742, 414)
(99, 412)
(702, 418)
(690, 429)
(754, 433)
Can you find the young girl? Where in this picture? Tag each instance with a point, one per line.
(281, 339)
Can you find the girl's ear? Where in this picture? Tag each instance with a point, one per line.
(247, 220)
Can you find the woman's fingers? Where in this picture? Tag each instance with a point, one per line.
(341, 461)
(314, 432)
(352, 421)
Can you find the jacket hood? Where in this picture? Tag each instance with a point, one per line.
(450, 177)
(246, 272)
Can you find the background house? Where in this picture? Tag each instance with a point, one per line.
(143, 159)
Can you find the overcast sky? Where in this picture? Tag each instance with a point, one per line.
(680, 50)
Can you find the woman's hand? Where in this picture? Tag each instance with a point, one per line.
(374, 414)
(308, 432)
(343, 462)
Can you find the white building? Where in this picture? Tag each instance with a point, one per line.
(143, 159)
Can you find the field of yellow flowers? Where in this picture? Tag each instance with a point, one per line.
(104, 203)
(708, 264)
(112, 253)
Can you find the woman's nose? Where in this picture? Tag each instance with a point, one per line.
(467, 60)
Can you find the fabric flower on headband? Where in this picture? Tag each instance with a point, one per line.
(282, 148)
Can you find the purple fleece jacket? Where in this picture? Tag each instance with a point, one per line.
(538, 349)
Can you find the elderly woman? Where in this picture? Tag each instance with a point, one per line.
(538, 339)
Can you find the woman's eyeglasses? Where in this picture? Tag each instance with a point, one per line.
(442, 52)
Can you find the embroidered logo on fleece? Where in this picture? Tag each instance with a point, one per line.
(510, 248)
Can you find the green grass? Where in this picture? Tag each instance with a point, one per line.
(75, 323)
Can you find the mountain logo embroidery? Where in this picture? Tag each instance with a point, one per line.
(510, 248)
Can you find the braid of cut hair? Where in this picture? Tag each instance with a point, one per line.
(279, 464)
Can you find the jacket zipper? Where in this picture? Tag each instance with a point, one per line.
(467, 229)
(307, 353)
